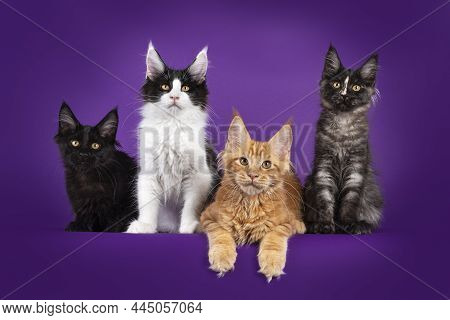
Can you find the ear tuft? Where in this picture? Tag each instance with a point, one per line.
(67, 121)
(332, 63)
(235, 112)
(238, 135)
(369, 69)
(155, 65)
(281, 142)
(199, 67)
(107, 127)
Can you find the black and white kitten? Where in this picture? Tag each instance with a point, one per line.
(178, 169)
(99, 178)
(341, 193)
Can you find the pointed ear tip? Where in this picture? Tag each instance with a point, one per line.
(151, 48)
(64, 107)
(237, 117)
(289, 123)
(288, 127)
(115, 112)
(203, 52)
(331, 48)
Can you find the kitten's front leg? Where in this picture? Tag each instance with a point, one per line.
(222, 249)
(272, 252)
(351, 199)
(320, 216)
(195, 195)
(148, 192)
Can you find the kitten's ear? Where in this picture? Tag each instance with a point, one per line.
(281, 142)
(238, 135)
(368, 70)
(107, 127)
(67, 120)
(332, 63)
(155, 65)
(199, 67)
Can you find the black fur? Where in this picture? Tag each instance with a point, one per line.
(341, 194)
(100, 182)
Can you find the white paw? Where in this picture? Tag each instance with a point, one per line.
(141, 227)
(188, 227)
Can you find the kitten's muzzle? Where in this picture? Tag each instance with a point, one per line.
(174, 100)
(252, 176)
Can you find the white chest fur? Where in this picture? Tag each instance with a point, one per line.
(172, 146)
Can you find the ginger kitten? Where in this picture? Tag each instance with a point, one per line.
(259, 200)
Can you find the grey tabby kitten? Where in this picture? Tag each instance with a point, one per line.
(341, 193)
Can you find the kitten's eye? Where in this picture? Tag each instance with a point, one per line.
(95, 146)
(356, 87)
(75, 143)
(243, 161)
(266, 164)
(336, 84)
(165, 87)
(185, 88)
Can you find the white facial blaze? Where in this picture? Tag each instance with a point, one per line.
(344, 87)
(176, 88)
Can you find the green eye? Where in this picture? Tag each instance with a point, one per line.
(336, 84)
(356, 87)
(266, 164)
(243, 161)
(75, 143)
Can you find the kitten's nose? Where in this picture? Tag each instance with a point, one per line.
(84, 154)
(174, 98)
(252, 175)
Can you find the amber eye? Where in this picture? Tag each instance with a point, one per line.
(75, 143)
(95, 146)
(243, 161)
(266, 164)
(336, 84)
(356, 87)
(165, 87)
(185, 88)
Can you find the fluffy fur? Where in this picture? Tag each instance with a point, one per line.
(177, 164)
(259, 200)
(341, 194)
(99, 178)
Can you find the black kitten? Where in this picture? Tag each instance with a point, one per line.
(341, 193)
(99, 178)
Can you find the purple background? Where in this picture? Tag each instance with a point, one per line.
(263, 59)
